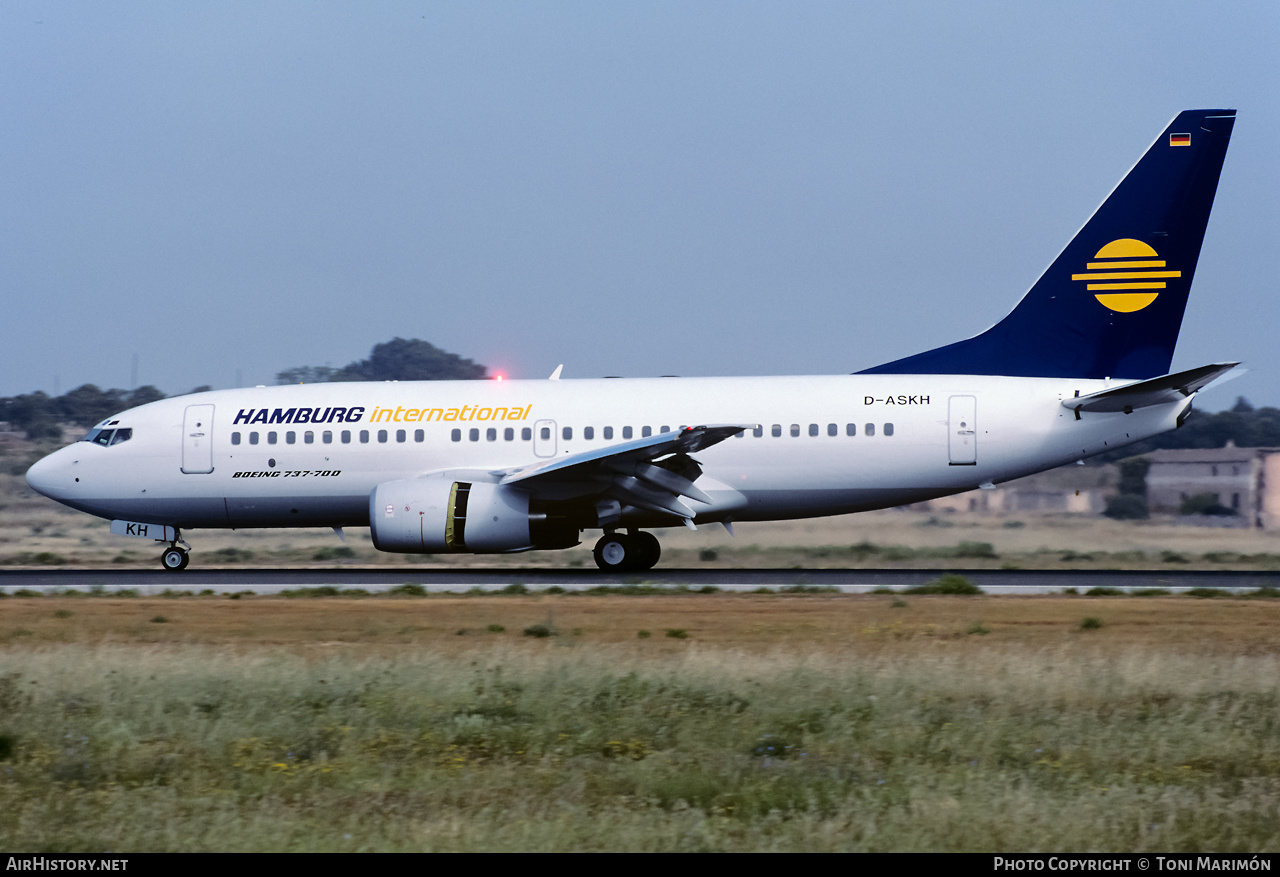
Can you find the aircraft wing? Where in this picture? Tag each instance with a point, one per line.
(1156, 391)
(652, 473)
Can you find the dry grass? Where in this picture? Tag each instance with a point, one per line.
(816, 722)
(846, 623)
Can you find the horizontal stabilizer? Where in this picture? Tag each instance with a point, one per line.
(1157, 391)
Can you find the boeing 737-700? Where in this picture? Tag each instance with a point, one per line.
(1079, 367)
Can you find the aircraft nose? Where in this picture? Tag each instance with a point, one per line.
(50, 476)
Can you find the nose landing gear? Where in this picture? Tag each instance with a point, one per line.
(177, 555)
(629, 552)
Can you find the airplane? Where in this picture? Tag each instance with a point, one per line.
(1080, 366)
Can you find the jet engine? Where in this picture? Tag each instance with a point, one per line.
(451, 512)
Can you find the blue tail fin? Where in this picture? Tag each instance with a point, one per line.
(1111, 304)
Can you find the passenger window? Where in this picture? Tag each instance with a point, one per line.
(851, 429)
(608, 432)
(665, 429)
(419, 435)
(508, 435)
(777, 430)
(646, 431)
(456, 435)
(309, 437)
(588, 432)
(235, 438)
(813, 429)
(546, 433)
(364, 436)
(888, 429)
(290, 438)
(271, 438)
(626, 432)
(327, 437)
(382, 436)
(567, 432)
(795, 430)
(401, 435)
(475, 435)
(253, 438)
(346, 436)
(832, 429)
(526, 434)
(758, 431)
(491, 434)
(869, 429)
(122, 435)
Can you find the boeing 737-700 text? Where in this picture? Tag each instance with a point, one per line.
(1079, 367)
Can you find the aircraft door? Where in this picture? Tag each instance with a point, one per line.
(197, 440)
(962, 430)
(544, 438)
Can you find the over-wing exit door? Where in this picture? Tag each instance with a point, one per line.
(962, 429)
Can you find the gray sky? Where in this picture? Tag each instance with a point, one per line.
(632, 189)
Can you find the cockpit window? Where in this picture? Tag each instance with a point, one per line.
(107, 437)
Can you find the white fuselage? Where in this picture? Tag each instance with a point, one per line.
(826, 445)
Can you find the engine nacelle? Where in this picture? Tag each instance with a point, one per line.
(444, 512)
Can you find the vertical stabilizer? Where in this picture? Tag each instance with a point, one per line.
(1111, 304)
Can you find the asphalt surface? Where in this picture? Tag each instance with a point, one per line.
(267, 581)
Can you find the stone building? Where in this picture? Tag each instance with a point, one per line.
(1245, 480)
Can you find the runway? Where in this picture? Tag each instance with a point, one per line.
(269, 581)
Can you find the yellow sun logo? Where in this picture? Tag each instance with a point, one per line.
(1117, 272)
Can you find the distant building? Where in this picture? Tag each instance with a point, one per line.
(1081, 490)
(1245, 480)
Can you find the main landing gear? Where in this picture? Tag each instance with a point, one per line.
(177, 555)
(629, 552)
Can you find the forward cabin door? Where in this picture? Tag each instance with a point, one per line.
(197, 440)
(962, 430)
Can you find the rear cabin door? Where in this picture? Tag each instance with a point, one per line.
(197, 440)
(962, 430)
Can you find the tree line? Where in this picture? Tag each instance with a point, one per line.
(42, 416)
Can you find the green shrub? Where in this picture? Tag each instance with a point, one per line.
(1266, 592)
(975, 549)
(514, 589)
(1091, 623)
(333, 552)
(708, 554)
(495, 628)
(1204, 504)
(539, 631)
(951, 583)
(1104, 591)
(978, 629)
(677, 633)
(1126, 507)
(408, 589)
(643, 634)
(1207, 593)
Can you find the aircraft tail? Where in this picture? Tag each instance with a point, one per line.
(1111, 304)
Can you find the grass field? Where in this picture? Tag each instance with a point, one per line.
(739, 722)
